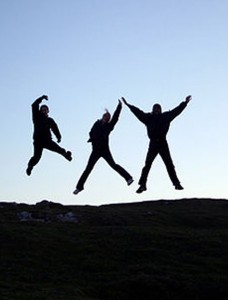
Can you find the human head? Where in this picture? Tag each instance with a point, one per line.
(106, 116)
(44, 109)
(156, 109)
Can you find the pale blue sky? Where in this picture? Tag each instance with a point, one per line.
(85, 55)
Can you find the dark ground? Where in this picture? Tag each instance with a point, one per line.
(176, 249)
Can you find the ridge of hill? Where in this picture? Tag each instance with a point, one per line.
(165, 249)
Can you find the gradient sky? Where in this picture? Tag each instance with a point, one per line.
(85, 54)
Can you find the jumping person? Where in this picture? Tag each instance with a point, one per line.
(43, 125)
(157, 124)
(99, 137)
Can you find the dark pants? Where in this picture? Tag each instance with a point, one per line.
(94, 156)
(161, 148)
(38, 149)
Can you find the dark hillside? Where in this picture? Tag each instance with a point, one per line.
(151, 250)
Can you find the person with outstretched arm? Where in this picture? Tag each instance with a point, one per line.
(43, 125)
(99, 137)
(157, 124)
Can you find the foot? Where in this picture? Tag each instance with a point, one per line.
(68, 155)
(29, 171)
(129, 182)
(178, 187)
(76, 191)
(141, 189)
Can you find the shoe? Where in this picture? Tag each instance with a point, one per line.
(29, 171)
(76, 191)
(68, 155)
(178, 187)
(141, 189)
(129, 182)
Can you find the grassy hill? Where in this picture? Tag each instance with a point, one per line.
(150, 250)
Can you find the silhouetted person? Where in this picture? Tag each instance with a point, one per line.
(43, 125)
(157, 124)
(99, 137)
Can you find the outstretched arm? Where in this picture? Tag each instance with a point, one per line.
(136, 111)
(177, 110)
(124, 101)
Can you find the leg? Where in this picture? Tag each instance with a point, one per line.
(91, 163)
(109, 159)
(166, 157)
(38, 149)
(52, 146)
(151, 154)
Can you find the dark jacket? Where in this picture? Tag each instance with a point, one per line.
(43, 125)
(99, 133)
(157, 125)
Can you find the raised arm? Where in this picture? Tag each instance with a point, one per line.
(178, 110)
(39, 100)
(115, 116)
(142, 116)
(35, 105)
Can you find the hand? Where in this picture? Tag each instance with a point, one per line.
(188, 98)
(124, 100)
(45, 97)
(42, 97)
(59, 140)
